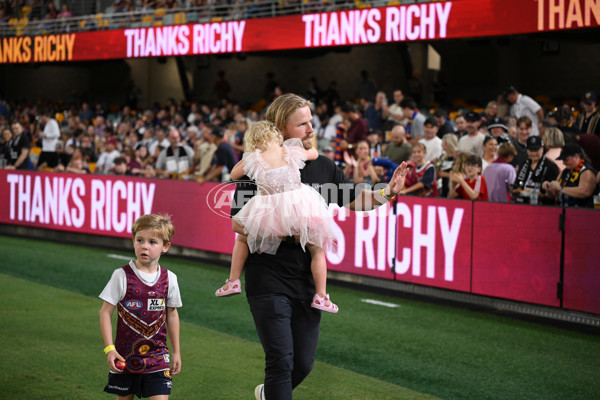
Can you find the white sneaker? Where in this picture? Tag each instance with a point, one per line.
(259, 392)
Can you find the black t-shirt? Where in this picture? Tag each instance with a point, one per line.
(224, 156)
(15, 147)
(288, 272)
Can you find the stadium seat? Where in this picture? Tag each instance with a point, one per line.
(92, 167)
(179, 18)
(147, 20)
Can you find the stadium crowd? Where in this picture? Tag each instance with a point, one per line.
(511, 150)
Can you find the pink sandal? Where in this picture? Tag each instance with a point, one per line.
(235, 287)
(319, 303)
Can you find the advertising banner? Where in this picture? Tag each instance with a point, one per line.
(507, 251)
(398, 23)
(516, 252)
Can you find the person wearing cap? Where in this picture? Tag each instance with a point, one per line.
(441, 116)
(576, 184)
(522, 105)
(588, 120)
(534, 171)
(472, 142)
(431, 141)
(498, 130)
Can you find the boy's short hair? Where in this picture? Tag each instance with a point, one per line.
(507, 149)
(160, 224)
(473, 159)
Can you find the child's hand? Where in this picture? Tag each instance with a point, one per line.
(113, 357)
(175, 363)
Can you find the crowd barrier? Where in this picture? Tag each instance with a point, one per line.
(534, 254)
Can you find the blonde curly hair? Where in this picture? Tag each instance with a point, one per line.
(261, 133)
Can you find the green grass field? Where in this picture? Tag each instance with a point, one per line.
(52, 348)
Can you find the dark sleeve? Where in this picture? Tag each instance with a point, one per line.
(428, 177)
(244, 191)
(551, 171)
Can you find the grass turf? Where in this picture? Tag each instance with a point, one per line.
(447, 352)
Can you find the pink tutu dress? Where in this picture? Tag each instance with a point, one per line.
(283, 206)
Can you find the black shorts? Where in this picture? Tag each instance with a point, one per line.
(141, 385)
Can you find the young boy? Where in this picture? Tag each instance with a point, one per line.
(474, 186)
(146, 296)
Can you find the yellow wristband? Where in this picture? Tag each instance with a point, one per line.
(108, 349)
(386, 197)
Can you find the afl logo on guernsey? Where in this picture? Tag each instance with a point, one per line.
(133, 304)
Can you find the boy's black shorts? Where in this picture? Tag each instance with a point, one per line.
(142, 385)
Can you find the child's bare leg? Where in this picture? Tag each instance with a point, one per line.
(238, 259)
(318, 268)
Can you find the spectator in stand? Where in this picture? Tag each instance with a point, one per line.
(524, 106)
(85, 113)
(237, 144)
(359, 168)
(490, 151)
(49, 136)
(554, 143)
(565, 121)
(534, 171)
(441, 116)
(396, 115)
(376, 144)
(461, 125)
(472, 142)
(76, 165)
(500, 174)
(358, 129)
(62, 156)
(223, 159)
(576, 184)
(524, 131)
(447, 161)
(421, 180)
(175, 159)
(17, 156)
(65, 13)
(203, 155)
(396, 152)
(366, 87)
(51, 11)
(88, 149)
(120, 167)
(4, 141)
(588, 120)
(473, 185)
(106, 159)
(377, 113)
(221, 88)
(498, 130)
(491, 112)
(432, 142)
(416, 120)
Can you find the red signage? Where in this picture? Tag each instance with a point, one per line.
(500, 250)
(409, 22)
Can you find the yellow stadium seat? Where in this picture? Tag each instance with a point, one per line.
(92, 167)
(180, 18)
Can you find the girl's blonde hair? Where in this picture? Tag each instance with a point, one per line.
(459, 165)
(451, 142)
(159, 224)
(261, 133)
